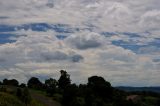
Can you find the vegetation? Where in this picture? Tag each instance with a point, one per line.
(9, 100)
(97, 92)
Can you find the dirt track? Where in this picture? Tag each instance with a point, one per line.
(44, 99)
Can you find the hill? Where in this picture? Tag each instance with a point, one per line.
(132, 89)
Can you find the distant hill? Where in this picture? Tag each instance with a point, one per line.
(130, 89)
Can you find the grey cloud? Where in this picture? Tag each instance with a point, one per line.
(156, 60)
(57, 55)
(40, 53)
(50, 3)
(86, 44)
(77, 58)
(85, 40)
(61, 56)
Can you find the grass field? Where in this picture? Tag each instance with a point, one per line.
(8, 98)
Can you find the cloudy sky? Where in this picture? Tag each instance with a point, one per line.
(116, 39)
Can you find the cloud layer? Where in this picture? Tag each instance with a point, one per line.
(118, 40)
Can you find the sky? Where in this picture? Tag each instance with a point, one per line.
(116, 39)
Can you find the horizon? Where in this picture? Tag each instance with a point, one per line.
(118, 40)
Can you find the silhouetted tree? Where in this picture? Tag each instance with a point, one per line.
(64, 80)
(1, 83)
(69, 95)
(5, 81)
(34, 83)
(19, 93)
(12, 82)
(51, 85)
(22, 85)
(51, 82)
(100, 87)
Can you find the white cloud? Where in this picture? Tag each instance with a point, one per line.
(44, 55)
(83, 53)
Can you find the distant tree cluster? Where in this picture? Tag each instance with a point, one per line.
(12, 82)
(97, 92)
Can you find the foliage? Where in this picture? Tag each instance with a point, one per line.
(100, 87)
(12, 82)
(69, 94)
(50, 85)
(64, 80)
(22, 85)
(34, 83)
(97, 92)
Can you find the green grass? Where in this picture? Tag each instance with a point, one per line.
(9, 100)
(57, 97)
(37, 91)
(150, 100)
(35, 103)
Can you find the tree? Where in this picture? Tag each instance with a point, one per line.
(51, 82)
(22, 85)
(12, 82)
(19, 93)
(1, 83)
(5, 82)
(51, 85)
(34, 83)
(100, 87)
(69, 95)
(64, 80)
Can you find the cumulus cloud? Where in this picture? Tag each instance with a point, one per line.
(44, 54)
(85, 40)
(85, 51)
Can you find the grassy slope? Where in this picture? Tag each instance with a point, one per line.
(43, 99)
(39, 98)
(9, 100)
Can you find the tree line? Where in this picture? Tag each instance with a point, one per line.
(97, 91)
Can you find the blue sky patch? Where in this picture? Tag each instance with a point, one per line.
(5, 38)
(7, 28)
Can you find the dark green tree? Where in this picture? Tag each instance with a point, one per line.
(64, 80)
(12, 82)
(100, 87)
(34, 83)
(22, 85)
(51, 82)
(5, 82)
(51, 85)
(1, 83)
(69, 95)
